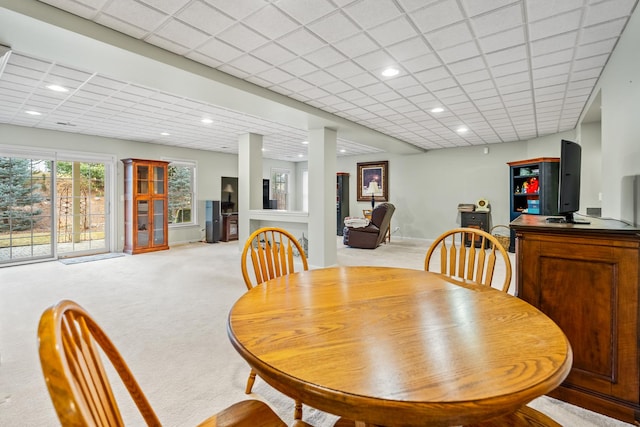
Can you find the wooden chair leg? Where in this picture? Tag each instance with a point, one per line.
(250, 381)
(297, 414)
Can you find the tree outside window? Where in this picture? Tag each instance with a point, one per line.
(181, 193)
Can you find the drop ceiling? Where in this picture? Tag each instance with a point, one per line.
(504, 70)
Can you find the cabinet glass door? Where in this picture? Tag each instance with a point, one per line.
(143, 222)
(158, 221)
(158, 180)
(142, 176)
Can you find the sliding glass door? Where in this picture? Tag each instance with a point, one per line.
(53, 208)
(81, 208)
(26, 214)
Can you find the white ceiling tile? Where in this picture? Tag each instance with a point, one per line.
(345, 69)
(375, 60)
(369, 14)
(608, 10)
(393, 32)
(550, 81)
(555, 25)
(555, 70)
(587, 74)
(180, 33)
(513, 54)
(220, 51)
(319, 78)
(237, 9)
(479, 86)
(301, 41)
(450, 36)
(593, 49)
(540, 9)
(502, 40)
(437, 15)
(273, 53)
(445, 83)
(242, 37)
(121, 26)
(408, 49)
(361, 80)
(325, 57)
(498, 20)
(552, 44)
(474, 7)
(422, 63)
(607, 30)
(356, 45)
(143, 16)
(458, 53)
(202, 16)
(298, 67)
(401, 82)
(274, 76)
(554, 58)
(474, 76)
(334, 27)
(305, 12)
(271, 22)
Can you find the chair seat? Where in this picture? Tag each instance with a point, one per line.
(247, 413)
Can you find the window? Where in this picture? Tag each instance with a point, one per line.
(280, 187)
(182, 192)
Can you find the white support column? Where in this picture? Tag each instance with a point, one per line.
(249, 181)
(322, 197)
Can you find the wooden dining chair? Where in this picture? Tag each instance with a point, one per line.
(270, 252)
(475, 263)
(71, 347)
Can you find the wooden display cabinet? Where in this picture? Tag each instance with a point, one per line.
(145, 206)
(586, 279)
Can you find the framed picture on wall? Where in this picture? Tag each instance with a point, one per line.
(373, 177)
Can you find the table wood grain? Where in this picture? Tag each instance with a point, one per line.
(403, 347)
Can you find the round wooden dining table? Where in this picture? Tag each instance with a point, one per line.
(398, 347)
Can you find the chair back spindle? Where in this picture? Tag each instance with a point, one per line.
(471, 263)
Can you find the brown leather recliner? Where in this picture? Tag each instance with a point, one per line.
(372, 235)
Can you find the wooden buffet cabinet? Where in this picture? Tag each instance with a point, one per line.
(145, 206)
(585, 278)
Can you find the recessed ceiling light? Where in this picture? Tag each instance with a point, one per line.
(305, 142)
(207, 121)
(343, 150)
(263, 149)
(33, 113)
(165, 133)
(57, 88)
(390, 72)
(300, 155)
(437, 110)
(462, 129)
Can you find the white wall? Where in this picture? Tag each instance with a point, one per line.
(619, 87)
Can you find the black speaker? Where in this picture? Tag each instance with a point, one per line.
(213, 221)
(342, 199)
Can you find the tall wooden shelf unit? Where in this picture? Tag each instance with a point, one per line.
(145, 206)
(586, 278)
(342, 199)
(545, 170)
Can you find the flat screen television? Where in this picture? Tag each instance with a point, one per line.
(569, 190)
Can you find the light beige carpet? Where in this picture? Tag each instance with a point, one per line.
(166, 312)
